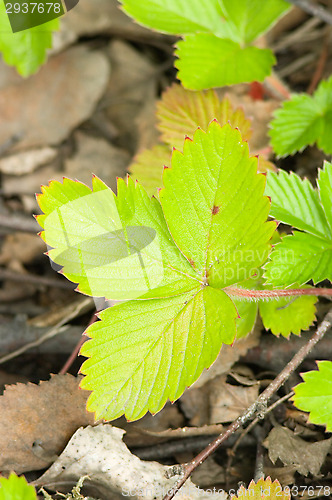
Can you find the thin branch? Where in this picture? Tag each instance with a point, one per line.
(6, 274)
(314, 10)
(273, 294)
(259, 406)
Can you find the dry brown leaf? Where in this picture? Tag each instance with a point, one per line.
(292, 450)
(46, 107)
(38, 420)
(132, 85)
(227, 401)
(113, 470)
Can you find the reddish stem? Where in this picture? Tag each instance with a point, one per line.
(270, 294)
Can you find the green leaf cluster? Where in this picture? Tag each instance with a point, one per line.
(306, 254)
(303, 121)
(25, 50)
(216, 49)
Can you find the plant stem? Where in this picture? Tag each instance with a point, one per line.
(270, 294)
(259, 405)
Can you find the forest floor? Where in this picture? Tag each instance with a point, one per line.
(91, 109)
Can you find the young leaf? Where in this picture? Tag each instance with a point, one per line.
(214, 207)
(16, 488)
(117, 248)
(302, 256)
(250, 18)
(206, 61)
(181, 111)
(303, 120)
(315, 394)
(176, 16)
(288, 315)
(143, 353)
(26, 50)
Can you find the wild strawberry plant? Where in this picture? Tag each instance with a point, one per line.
(182, 266)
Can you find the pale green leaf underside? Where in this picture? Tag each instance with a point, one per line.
(288, 315)
(143, 353)
(217, 219)
(250, 18)
(26, 50)
(315, 395)
(299, 258)
(303, 120)
(176, 16)
(16, 488)
(295, 202)
(113, 247)
(206, 61)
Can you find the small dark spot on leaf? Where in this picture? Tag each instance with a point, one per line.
(215, 210)
(192, 263)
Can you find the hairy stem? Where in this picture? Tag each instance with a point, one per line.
(258, 406)
(271, 294)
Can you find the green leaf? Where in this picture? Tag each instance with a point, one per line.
(302, 256)
(288, 315)
(117, 248)
(250, 18)
(207, 61)
(299, 258)
(325, 190)
(180, 112)
(295, 202)
(16, 488)
(211, 232)
(26, 50)
(214, 206)
(315, 395)
(176, 16)
(147, 167)
(166, 344)
(303, 120)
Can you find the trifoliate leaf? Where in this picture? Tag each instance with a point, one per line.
(211, 232)
(176, 16)
(113, 247)
(295, 202)
(302, 256)
(303, 120)
(180, 112)
(214, 206)
(315, 394)
(250, 18)
(288, 315)
(16, 488)
(264, 489)
(148, 165)
(143, 353)
(206, 61)
(26, 50)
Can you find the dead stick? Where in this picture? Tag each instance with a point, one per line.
(259, 405)
(314, 10)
